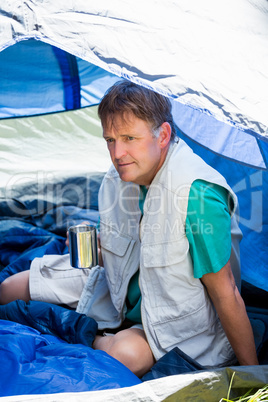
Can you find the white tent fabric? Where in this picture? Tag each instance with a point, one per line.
(51, 146)
(211, 59)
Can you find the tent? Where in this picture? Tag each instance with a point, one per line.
(56, 61)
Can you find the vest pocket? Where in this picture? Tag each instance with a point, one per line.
(178, 326)
(115, 242)
(116, 248)
(164, 254)
(167, 276)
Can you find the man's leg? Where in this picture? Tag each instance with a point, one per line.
(130, 347)
(15, 287)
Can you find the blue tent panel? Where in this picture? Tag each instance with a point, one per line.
(30, 81)
(225, 139)
(36, 78)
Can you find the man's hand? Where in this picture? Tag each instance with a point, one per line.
(231, 309)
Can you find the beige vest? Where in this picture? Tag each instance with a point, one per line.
(176, 310)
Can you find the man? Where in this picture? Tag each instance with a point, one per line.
(168, 240)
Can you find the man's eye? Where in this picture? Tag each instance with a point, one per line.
(130, 138)
(109, 140)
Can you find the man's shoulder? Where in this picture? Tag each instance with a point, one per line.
(185, 166)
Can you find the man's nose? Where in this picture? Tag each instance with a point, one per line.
(119, 150)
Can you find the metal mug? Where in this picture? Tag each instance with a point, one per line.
(83, 246)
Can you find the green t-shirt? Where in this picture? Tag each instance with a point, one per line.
(208, 227)
(208, 230)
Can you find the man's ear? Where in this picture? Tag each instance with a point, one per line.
(165, 134)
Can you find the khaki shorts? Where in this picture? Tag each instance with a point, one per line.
(53, 280)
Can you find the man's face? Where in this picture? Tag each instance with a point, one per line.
(135, 153)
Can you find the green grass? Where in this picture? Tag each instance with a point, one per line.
(257, 396)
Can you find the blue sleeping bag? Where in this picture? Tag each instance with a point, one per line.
(34, 363)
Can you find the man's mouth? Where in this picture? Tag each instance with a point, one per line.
(124, 164)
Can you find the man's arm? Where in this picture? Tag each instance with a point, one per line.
(231, 309)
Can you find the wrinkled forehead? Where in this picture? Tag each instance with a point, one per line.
(116, 121)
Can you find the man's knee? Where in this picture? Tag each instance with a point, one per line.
(15, 287)
(5, 291)
(130, 348)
